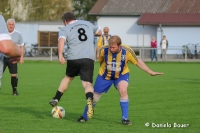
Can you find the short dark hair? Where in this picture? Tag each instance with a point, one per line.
(68, 16)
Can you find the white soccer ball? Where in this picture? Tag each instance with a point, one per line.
(58, 112)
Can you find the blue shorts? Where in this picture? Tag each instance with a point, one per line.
(102, 85)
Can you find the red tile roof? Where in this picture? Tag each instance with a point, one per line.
(128, 7)
(98, 7)
(138, 7)
(167, 12)
(184, 6)
(170, 19)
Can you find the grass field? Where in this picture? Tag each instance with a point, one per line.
(168, 99)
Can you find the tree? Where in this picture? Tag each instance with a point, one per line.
(81, 9)
(4, 9)
(49, 10)
(34, 10)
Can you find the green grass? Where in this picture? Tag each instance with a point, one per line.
(173, 97)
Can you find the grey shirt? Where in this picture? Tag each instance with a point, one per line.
(79, 36)
(17, 38)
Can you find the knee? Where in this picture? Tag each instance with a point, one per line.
(123, 94)
(13, 75)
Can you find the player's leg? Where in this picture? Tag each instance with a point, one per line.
(84, 116)
(1, 67)
(86, 76)
(89, 97)
(101, 86)
(5, 63)
(61, 89)
(14, 79)
(122, 85)
(71, 71)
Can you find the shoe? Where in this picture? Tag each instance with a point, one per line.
(53, 102)
(90, 111)
(15, 93)
(126, 122)
(81, 119)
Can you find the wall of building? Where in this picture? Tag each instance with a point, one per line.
(53, 28)
(29, 31)
(178, 36)
(136, 35)
(127, 28)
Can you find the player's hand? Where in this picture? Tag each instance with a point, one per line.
(15, 60)
(156, 73)
(97, 57)
(21, 60)
(62, 60)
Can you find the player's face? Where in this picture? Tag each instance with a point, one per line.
(106, 30)
(11, 26)
(114, 48)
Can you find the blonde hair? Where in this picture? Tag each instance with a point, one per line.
(115, 39)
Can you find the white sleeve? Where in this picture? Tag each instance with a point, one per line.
(5, 37)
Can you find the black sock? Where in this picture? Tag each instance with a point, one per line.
(89, 95)
(58, 95)
(14, 82)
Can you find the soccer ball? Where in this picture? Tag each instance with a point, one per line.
(58, 112)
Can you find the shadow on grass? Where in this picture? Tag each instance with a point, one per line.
(35, 112)
(108, 120)
(188, 80)
(23, 111)
(5, 93)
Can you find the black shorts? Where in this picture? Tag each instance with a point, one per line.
(12, 67)
(81, 67)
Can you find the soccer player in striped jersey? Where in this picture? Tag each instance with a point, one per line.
(7, 47)
(17, 39)
(103, 40)
(114, 69)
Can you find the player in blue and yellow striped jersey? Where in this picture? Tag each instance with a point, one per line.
(114, 69)
(103, 40)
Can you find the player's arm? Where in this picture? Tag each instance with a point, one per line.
(10, 49)
(21, 42)
(22, 54)
(98, 32)
(99, 45)
(101, 56)
(134, 60)
(144, 67)
(61, 43)
(97, 51)
(7, 47)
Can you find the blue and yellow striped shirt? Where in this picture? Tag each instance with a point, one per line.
(114, 65)
(103, 40)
